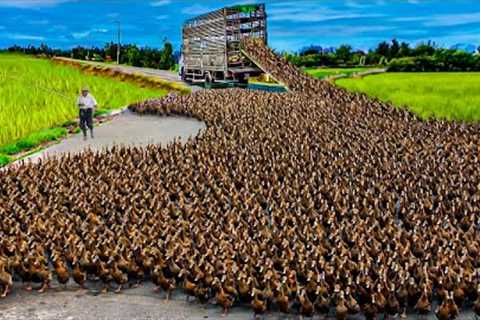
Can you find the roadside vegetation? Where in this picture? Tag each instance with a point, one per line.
(450, 96)
(33, 140)
(37, 94)
(394, 55)
(321, 73)
(130, 54)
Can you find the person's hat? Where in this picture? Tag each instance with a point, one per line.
(85, 88)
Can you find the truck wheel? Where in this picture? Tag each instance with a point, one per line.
(208, 80)
(243, 81)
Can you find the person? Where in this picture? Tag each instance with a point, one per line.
(87, 104)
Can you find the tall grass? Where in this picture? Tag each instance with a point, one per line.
(37, 94)
(450, 96)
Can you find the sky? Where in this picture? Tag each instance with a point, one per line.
(292, 24)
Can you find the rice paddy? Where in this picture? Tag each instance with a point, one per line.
(37, 94)
(449, 96)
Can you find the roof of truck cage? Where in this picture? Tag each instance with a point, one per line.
(242, 8)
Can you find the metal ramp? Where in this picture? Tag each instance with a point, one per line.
(259, 65)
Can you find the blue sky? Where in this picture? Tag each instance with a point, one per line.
(292, 24)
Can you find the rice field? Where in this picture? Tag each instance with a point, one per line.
(450, 96)
(327, 72)
(37, 94)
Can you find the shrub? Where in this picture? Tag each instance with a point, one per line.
(443, 60)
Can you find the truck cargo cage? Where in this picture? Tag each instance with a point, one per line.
(211, 44)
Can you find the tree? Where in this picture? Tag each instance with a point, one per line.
(424, 49)
(383, 49)
(394, 49)
(312, 49)
(404, 50)
(166, 57)
(110, 50)
(344, 53)
(133, 56)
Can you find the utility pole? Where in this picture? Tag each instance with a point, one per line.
(118, 44)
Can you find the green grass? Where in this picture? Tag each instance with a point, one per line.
(326, 72)
(4, 160)
(450, 96)
(33, 140)
(37, 94)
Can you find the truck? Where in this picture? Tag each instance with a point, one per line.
(211, 50)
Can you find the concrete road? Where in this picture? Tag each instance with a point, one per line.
(156, 73)
(127, 128)
(142, 302)
(74, 303)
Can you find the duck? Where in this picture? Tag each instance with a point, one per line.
(341, 309)
(448, 309)
(352, 304)
(105, 275)
(322, 304)
(61, 269)
(78, 274)
(159, 279)
(281, 299)
(423, 304)
(188, 285)
(223, 298)
(392, 307)
(370, 310)
(476, 303)
(6, 279)
(306, 306)
(40, 273)
(118, 276)
(259, 305)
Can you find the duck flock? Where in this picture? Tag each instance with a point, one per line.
(314, 201)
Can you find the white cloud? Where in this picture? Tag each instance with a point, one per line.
(41, 22)
(355, 4)
(448, 20)
(197, 9)
(331, 30)
(31, 3)
(58, 27)
(160, 3)
(84, 34)
(80, 35)
(18, 36)
(316, 17)
(410, 19)
(311, 12)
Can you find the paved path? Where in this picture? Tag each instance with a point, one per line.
(135, 303)
(127, 129)
(73, 303)
(156, 73)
